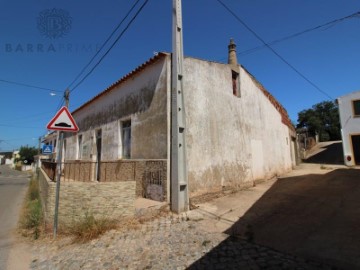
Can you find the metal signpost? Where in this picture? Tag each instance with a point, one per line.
(63, 122)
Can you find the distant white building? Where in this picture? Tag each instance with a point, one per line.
(349, 109)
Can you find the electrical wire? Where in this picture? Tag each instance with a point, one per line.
(331, 23)
(61, 103)
(111, 47)
(18, 139)
(30, 116)
(103, 45)
(273, 51)
(5, 141)
(29, 85)
(14, 126)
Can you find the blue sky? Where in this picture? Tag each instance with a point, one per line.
(329, 57)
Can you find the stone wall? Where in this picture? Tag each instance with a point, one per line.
(81, 171)
(102, 199)
(150, 175)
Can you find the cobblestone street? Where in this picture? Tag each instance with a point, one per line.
(170, 242)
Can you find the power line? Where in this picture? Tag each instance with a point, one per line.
(4, 141)
(17, 139)
(13, 126)
(300, 33)
(29, 116)
(61, 103)
(113, 44)
(29, 85)
(103, 45)
(273, 51)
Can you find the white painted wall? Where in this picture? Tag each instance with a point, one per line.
(350, 125)
(231, 141)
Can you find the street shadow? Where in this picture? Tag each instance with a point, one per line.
(313, 217)
(332, 154)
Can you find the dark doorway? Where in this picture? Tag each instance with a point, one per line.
(355, 139)
(98, 154)
(126, 139)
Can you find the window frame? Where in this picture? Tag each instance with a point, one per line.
(125, 125)
(353, 107)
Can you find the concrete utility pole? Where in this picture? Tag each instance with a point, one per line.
(179, 182)
(67, 97)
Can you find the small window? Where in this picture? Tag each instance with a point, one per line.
(80, 146)
(235, 83)
(356, 107)
(126, 139)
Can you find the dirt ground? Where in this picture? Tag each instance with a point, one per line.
(312, 212)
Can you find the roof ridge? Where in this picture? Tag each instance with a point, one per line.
(148, 62)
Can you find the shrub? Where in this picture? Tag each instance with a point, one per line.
(89, 227)
(33, 191)
(31, 217)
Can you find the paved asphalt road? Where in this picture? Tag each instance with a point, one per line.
(13, 186)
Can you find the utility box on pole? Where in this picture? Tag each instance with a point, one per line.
(179, 182)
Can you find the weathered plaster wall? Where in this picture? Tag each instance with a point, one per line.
(350, 125)
(150, 128)
(141, 99)
(231, 141)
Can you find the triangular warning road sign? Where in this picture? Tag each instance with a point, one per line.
(63, 121)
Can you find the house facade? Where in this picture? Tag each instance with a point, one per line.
(237, 133)
(349, 110)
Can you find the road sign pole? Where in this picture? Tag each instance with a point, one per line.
(58, 176)
(62, 122)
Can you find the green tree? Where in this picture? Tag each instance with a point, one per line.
(322, 119)
(27, 153)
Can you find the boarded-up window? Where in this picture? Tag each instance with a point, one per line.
(356, 107)
(126, 139)
(80, 146)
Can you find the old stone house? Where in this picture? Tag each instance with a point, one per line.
(237, 132)
(349, 110)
